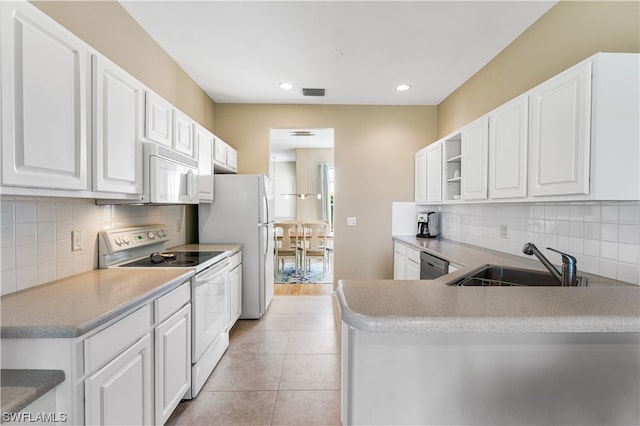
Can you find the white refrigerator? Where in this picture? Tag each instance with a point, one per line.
(241, 213)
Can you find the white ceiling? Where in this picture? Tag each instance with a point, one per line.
(240, 51)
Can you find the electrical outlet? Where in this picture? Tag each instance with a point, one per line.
(351, 221)
(504, 231)
(76, 241)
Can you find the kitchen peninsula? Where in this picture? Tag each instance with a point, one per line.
(421, 352)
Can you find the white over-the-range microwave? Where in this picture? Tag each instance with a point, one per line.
(168, 177)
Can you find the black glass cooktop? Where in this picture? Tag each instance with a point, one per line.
(174, 259)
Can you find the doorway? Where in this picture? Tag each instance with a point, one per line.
(302, 170)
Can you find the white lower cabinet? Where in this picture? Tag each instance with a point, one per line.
(121, 392)
(235, 286)
(412, 265)
(173, 362)
(399, 261)
(406, 262)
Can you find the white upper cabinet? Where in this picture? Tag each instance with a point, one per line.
(434, 172)
(117, 113)
(420, 187)
(474, 147)
(158, 120)
(452, 160)
(225, 157)
(559, 145)
(232, 159)
(204, 141)
(220, 154)
(508, 150)
(45, 98)
(183, 133)
(615, 127)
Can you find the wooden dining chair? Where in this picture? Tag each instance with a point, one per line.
(315, 244)
(287, 245)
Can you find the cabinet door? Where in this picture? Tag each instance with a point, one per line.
(399, 261)
(158, 120)
(434, 172)
(220, 153)
(120, 393)
(173, 362)
(45, 101)
(183, 133)
(232, 159)
(508, 150)
(412, 270)
(474, 147)
(412, 265)
(204, 140)
(235, 279)
(560, 134)
(117, 102)
(421, 176)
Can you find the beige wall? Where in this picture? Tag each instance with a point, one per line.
(107, 27)
(373, 157)
(570, 32)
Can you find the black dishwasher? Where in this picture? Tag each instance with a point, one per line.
(432, 267)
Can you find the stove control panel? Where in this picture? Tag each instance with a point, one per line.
(115, 240)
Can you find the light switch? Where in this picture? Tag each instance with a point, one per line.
(351, 221)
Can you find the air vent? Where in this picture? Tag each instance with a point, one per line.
(312, 92)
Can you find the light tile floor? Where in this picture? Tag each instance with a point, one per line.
(283, 369)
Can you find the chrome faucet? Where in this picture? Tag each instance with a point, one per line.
(569, 275)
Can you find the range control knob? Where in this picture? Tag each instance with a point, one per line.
(118, 241)
(151, 235)
(160, 234)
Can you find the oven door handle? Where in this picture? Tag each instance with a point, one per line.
(203, 276)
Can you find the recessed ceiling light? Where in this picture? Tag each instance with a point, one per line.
(286, 86)
(402, 87)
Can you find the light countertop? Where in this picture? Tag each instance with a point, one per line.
(429, 306)
(21, 387)
(72, 306)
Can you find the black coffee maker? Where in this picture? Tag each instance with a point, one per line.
(428, 225)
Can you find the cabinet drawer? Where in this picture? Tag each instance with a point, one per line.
(400, 249)
(105, 345)
(413, 255)
(172, 301)
(236, 259)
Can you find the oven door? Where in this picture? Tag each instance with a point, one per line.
(210, 305)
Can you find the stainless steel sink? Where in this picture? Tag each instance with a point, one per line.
(499, 276)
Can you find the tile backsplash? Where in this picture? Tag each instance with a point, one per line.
(36, 235)
(603, 236)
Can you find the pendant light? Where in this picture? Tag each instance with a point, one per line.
(301, 195)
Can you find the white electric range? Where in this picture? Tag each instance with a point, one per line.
(145, 247)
